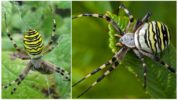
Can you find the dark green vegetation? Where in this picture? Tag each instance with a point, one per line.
(90, 50)
(36, 15)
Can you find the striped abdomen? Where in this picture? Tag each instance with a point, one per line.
(152, 37)
(33, 43)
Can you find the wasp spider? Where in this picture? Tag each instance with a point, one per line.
(145, 39)
(34, 50)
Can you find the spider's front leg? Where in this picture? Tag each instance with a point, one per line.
(53, 42)
(20, 78)
(20, 55)
(114, 63)
(128, 13)
(20, 52)
(48, 68)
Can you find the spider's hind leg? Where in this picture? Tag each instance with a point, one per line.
(140, 56)
(158, 59)
(50, 68)
(167, 66)
(19, 79)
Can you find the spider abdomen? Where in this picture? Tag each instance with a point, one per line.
(33, 43)
(152, 37)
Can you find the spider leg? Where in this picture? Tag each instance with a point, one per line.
(140, 56)
(20, 78)
(64, 73)
(54, 38)
(100, 78)
(118, 57)
(20, 55)
(50, 68)
(107, 18)
(95, 71)
(131, 18)
(170, 68)
(51, 47)
(53, 35)
(144, 19)
(10, 36)
(158, 59)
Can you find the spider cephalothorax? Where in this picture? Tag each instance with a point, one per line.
(143, 38)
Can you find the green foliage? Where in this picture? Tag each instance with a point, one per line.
(90, 50)
(36, 15)
(122, 22)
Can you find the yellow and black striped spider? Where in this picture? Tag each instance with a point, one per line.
(34, 50)
(144, 39)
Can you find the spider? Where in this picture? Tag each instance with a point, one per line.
(34, 50)
(147, 38)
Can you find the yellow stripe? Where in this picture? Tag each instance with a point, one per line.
(32, 35)
(35, 42)
(33, 50)
(29, 47)
(161, 35)
(169, 38)
(28, 39)
(152, 37)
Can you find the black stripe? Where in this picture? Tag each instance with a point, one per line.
(116, 63)
(108, 18)
(138, 38)
(62, 70)
(34, 45)
(34, 48)
(113, 59)
(61, 73)
(165, 35)
(96, 70)
(6, 86)
(100, 16)
(31, 32)
(32, 39)
(145, 36)
(159, 36)
(100, 78)
(110, 69)
(107, 64)
(18, 82)
(149, 41)
(171, 69)
(154, 37)
(14, 89)
(35, 53)
(21, 76)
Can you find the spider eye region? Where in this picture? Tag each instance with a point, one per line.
(128, 40)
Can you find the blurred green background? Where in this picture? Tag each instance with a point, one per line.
(90, 50)
(36, 15)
